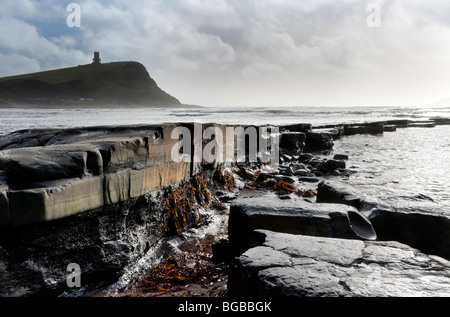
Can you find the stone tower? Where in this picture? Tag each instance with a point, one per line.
(96, 59)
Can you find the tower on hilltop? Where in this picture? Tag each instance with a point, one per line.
(96, 59)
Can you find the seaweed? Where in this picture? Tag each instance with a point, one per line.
(183, 204)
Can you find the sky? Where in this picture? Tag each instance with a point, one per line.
(247, 52)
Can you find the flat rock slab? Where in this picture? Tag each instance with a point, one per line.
(341, 193)
(294, 216)
(424, 230)
(306, 266)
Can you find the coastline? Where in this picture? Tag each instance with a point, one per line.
(301, 178)
(86, 105)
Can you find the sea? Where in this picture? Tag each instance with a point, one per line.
(408, 169)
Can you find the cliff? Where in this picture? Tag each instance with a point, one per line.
(119, 83)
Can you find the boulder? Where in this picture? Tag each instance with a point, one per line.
(298, 166)
(331, 165)
(286, 265)
(340, 157)
(292, 216)
(301, 172)
(292, 142)
(309, 179)
(318, 141)
(305, 157)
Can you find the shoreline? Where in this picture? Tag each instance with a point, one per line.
(294, 183)
(92, 105)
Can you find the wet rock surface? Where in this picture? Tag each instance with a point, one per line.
(294, 216)
(35, 258)
(106, 243)
(426, 231)
(330, 191)
(296, 265)
(82, 196)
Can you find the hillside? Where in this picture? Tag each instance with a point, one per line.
(119, 83)
(440, 104)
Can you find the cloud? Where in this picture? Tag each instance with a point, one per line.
(258, 52)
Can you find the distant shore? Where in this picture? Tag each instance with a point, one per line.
(86, 105)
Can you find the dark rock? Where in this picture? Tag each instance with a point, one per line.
(402, 123)
(309, 179)
(331, 165)
(340, 157)
(292, 142)
(298, 166)
(340, 193)
(287, 158)
(247, 173)
(366, 128)
(103, 242)
(222, 251)
(40, 164)
(301, 172)
(289, 172)
(262, 177)
(441, 121)
(294, 216)
(270, 182)
(390, 128)
(288, 179)
(305, 156)
(422, 124)
(315, 162)
(318, 141)
(286, 265)
(335, 131)
(428, 232)
(300, 127)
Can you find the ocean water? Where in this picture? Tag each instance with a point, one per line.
(18, 119)
(409, 168)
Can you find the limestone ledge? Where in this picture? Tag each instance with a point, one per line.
(62, 173)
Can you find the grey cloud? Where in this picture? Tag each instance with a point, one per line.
(230, 51)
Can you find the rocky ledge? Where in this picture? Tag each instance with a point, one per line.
(297, 265)
(337, 241)
(106, 198)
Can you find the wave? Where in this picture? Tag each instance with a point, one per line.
(187, 115)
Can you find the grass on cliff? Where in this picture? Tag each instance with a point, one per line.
(119, 81)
